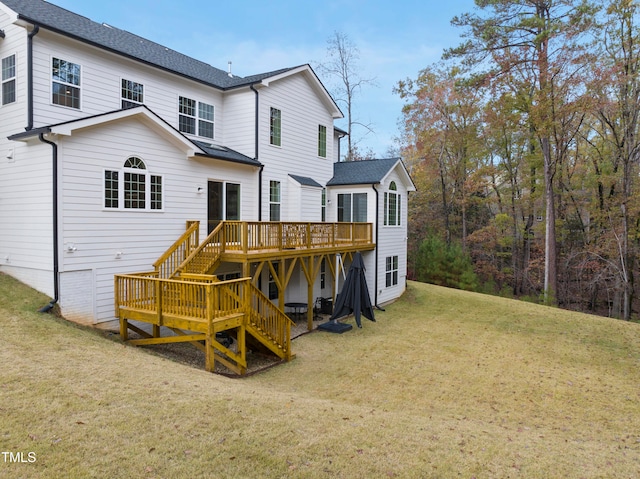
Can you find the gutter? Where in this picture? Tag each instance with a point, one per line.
(256, 152)
(32, 34)
(56, 258)
(375, 296)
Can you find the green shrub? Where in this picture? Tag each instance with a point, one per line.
(445, 264)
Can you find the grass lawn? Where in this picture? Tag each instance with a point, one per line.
(444, 384)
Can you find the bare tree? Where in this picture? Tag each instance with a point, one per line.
(342, 66)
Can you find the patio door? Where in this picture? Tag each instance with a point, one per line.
(223, 203)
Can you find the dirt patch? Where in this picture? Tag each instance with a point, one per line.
(188, 354)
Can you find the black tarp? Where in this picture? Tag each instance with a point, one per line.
(354, 296)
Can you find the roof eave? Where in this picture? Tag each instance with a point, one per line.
(118, 52)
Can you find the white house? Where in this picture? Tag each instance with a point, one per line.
(110, 143)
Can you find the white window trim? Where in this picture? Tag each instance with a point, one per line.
(79, 86)
(147, 189)
(14, 78)
(326, 142)
(279, 202)
(270, 143)
(127, 99)
(352, 206)
(197, 118)
(391, 271)
(386, 208)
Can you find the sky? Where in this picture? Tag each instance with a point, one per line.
(395, 40)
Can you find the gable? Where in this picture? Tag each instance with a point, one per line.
(370, 172)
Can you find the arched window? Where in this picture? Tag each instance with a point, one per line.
(139, 190)
(135, 187)
(392, 203)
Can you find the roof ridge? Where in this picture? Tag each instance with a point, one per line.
(122, 42)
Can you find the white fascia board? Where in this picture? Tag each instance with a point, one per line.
(404, 174)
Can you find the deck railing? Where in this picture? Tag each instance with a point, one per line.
(203, 301)
(255, 236)
(168, 263)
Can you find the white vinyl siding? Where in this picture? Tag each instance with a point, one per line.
(302, 112)
(115, 241)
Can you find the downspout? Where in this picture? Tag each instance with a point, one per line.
(375, 299)
(32, 34)
(256, 156)
(56, 259)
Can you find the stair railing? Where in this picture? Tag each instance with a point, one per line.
(206, 255)
(167, 265)
(270, 321)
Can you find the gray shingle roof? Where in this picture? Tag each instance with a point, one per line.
(224, 153)
(366, 172)
(306, 181)
(70, 24)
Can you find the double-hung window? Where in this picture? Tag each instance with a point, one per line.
(352, 207)
(132, 187)
(132, 93)
(275, 127)
(8, 79)
(322, 141)
(65, 83)
(195, 118)
(392, 202)
(274, 201)
(391, 271)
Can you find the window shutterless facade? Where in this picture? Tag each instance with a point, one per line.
(132, 93)
(65, 83)
(133, 187)
(195, 118)
(392, 202)
(352, 207)
(8, 79)
(275, 127)
(391, 276)
(322, 141)
(274, 201)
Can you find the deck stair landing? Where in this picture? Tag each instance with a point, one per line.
(196, 309)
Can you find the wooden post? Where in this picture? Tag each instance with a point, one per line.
(158, 301)
(211, 335)
(245, 237)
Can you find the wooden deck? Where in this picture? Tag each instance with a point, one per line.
(183, 294)
(196, 309)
